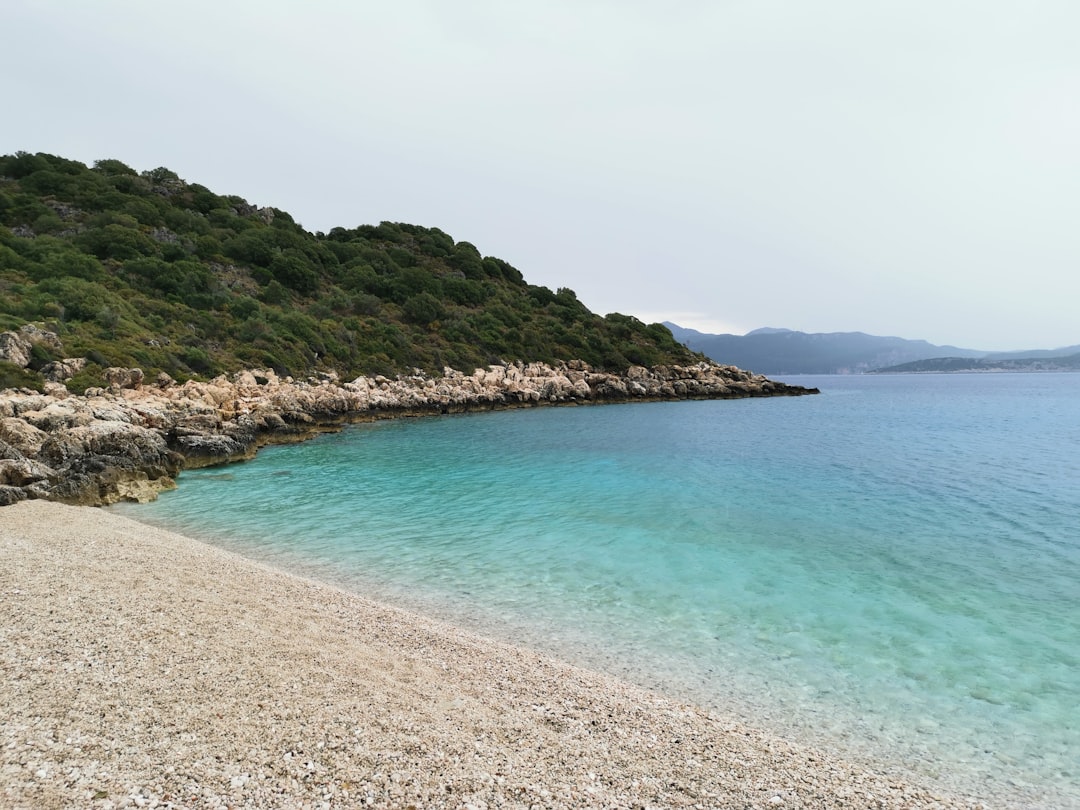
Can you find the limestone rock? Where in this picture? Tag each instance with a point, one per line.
(207, 450)
(63, 370)
(124, 377)
(35, 334)
(22, 435)
(59, 414)
(20, 472)
(114, 440)
(15, 349)
(129, 441)
(10, 495)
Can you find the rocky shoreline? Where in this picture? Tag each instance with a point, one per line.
(129, 441)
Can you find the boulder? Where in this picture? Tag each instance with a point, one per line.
(21, 472)
(63, 370)
(10, 495)
(60, 414)
(210, 450)
(143, 447)
(14, 348)
(22, 436)
(124, 377)
(35, 334)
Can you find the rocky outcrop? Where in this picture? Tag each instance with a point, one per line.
(130, 440)
(18, 347)
(63, 370)
(14, 348)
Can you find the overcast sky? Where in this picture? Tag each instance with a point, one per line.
(899, 168)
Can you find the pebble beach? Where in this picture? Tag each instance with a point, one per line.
(142, 668)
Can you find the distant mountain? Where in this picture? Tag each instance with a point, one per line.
(772, 351)
(1034, 354)
(1041, 362)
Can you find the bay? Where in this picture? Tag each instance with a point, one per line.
(890, 569)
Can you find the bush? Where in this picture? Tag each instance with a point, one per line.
(274, 293)
(93, 376)
(41, 355)
(12, 376)
(255, 246)
(116, 242)
(423, 308)
(295, 273)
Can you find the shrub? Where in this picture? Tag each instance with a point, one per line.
(13, 376)
(423, 308)
(274, 293)
(92, 376)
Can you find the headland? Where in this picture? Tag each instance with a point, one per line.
(130, 440)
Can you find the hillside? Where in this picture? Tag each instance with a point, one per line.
(144, 269)
(783, 351)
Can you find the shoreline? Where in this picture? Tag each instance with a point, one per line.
(126, 647)
(130, 441)
(812, 726)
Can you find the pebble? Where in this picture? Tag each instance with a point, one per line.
(234, 673)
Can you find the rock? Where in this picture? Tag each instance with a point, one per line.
(198, 424)
(55, 390)
(63, 370)
(124, 377)
(206, 451)
(21, 435)
(10, 495)
(35, 334)
(115, 440)
(7, 451)
(15, 349)
(20, 472)
(60, 414)
(130, 441)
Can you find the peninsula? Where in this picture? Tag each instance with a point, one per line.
(130, 439)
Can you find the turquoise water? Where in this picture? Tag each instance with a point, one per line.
(890, 569)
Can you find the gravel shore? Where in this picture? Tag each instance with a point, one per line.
(143, 668)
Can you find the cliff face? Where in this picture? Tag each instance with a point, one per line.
(130, 440)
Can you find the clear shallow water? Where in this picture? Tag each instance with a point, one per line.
(891, 569)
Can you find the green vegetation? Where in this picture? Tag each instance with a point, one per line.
(144, 269)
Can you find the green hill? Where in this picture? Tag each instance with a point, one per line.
(145, 269)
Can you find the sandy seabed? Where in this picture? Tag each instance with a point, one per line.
(143, 668)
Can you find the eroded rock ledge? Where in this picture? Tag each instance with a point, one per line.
(128, 442)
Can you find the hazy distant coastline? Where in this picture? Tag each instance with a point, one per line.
(780, 352)
(961, 365)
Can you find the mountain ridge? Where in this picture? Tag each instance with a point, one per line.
(776, 351)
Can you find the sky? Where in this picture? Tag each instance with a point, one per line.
(898, 168)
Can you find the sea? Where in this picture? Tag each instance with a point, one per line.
(889, 570)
